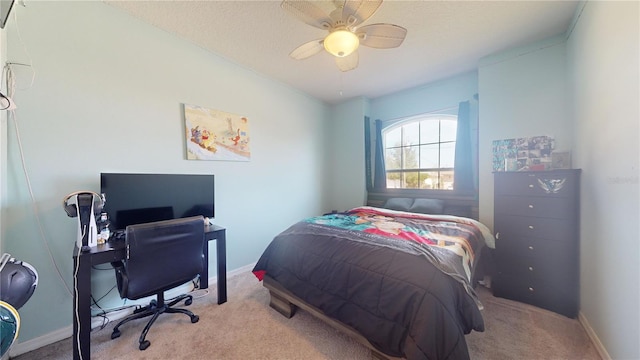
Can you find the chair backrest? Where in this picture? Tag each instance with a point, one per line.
(162, 255)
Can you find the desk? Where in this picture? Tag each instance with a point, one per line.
(114, 251)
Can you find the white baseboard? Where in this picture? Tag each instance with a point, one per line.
(36, 343)
(66, 332)
(234, 272)
(594, 337)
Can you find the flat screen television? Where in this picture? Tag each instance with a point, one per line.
(142, 198)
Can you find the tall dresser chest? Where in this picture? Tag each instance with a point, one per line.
(536, 225)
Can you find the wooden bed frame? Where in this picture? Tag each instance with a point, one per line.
(286, 304)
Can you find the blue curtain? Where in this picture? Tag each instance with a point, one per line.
(367, 154)
(380, 175)
(463, 179)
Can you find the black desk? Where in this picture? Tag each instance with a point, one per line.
(114, 251)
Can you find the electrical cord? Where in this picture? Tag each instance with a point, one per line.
(103, 314)
(10, 82)
(105, 321)
(120, 308)
(76, 307)
(26, 51)
(196, 287)
(102, 297)
(206, 292)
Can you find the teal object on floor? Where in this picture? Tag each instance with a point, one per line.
(9, 326)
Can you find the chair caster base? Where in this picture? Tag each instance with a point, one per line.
(144, 345)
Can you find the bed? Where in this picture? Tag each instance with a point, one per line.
(399, 282)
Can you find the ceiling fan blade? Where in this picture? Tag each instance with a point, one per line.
(381, 36)
(307, 49)
(308, 12)
(356, 12)
(348, 62)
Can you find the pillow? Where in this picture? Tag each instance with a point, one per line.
(401, 204)
(427, 206)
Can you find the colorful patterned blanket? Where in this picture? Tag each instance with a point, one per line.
(449, 242)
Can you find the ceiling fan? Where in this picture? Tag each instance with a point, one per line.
(344, 34)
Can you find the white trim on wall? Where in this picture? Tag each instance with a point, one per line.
(593, 336)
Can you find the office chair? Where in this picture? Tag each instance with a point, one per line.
(160, 256)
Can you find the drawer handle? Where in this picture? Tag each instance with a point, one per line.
(531, 289)
(531, 227)
(530, 206)
(530, 247)
(530, 268)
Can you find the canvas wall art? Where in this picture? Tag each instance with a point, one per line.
(528, 153)
(216, 135)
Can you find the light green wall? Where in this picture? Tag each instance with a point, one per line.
(107, 97)
(346, 151)
(523, 93)
(443, 94)
(604, 76)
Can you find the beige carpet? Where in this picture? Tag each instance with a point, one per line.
(247, 328)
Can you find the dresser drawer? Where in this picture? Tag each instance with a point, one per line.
(556, 253)
(563, 300)
(509, 227)
(549, 207)
(539, 183)
(552, 269)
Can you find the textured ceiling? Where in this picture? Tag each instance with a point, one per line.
(444, 38)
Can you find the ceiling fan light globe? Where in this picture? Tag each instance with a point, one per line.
(341, 43)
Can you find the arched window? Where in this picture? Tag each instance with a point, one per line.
(419, 152)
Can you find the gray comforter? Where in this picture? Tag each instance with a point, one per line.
(405, 290)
